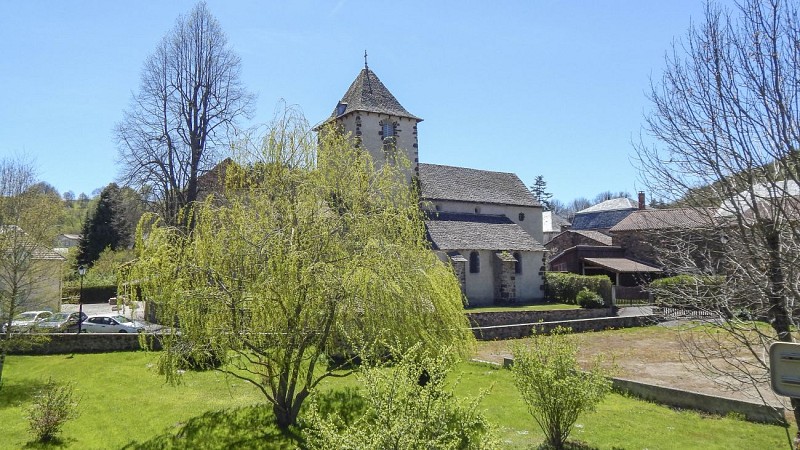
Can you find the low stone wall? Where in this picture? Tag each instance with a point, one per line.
(67, 343)
(492, 319)
(522, 330)
(754, 412)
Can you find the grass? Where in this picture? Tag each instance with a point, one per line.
(530, 307)
(125, 404)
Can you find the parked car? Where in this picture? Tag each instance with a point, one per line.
(112, 323)
(62, 322)
(24, 322)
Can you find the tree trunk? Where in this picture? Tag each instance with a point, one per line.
(2, 363)
(286, 409)
(779, 313)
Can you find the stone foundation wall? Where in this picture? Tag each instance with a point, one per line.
(518, 331)
(491, 319)
(88, 343)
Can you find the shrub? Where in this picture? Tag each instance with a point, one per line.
(588, 299)
(407, 406)
(53, 406)
(564, 287)
(553, 385)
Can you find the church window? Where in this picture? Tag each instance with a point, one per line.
(518, 263)
(521, 217)
(477, 210)
(474, 262)
(388, 129)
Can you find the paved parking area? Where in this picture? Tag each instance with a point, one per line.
(90, 309)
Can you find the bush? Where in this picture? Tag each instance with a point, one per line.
(407, 406)
(554, 387)
(564, 287)
(589, 300)
(53, 406)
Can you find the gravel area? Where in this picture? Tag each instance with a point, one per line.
(652, 355)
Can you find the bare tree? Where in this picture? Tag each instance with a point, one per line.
(190, 97)
(726, 123)
(27, 219)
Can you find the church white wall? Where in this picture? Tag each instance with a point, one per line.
(367, 126)
(479, 287)
(529, 281)
(532, 222)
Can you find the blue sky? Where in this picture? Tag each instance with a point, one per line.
(537, 87)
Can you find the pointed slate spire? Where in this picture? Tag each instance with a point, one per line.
(367, 93)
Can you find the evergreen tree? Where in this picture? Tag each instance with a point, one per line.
(539, 190)
(104, 227)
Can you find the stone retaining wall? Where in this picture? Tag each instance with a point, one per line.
(754, 412)
(522, 330)
(491, 319)
(87, 343)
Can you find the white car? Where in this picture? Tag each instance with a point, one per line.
(111, 323)
(24, 322)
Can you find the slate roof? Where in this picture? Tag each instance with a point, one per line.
(367, 93)
(599, 219)
(596, 236)
(665, 219)
(762, 195)
(615, 204)
(461, 231)
(623, 265)
(439, 182)
(38, 252)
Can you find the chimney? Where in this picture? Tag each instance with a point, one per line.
(641, 200)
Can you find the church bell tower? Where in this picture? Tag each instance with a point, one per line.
(377, 121)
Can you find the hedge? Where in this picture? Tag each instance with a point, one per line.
(686, 290)
(564, 287)
(91, 294)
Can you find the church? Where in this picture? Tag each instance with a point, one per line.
(487, 225)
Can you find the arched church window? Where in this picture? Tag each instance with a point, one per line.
(474, 262)
(518, 263)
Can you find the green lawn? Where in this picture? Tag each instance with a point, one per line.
(537, 307)
(124, 403)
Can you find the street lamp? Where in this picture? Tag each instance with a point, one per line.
(81, 272)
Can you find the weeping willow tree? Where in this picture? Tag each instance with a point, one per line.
(308, 250)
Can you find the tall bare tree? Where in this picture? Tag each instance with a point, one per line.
(27, 219)
(189, 99)
(726, 120)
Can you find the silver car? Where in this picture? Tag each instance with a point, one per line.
(24, 322)
(111, 323)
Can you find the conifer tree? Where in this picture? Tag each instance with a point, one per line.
(104, 227)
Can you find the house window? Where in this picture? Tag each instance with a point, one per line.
(521, 217)
(518, 263)
(474, 262)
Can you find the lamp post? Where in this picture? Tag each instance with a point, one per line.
(81, 272)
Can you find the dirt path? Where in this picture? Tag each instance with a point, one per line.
(651, 355)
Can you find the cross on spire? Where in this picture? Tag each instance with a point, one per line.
(365, 60)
